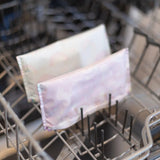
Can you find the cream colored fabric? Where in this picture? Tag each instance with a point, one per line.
(61, 57)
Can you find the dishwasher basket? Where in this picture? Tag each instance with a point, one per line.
(128, 130)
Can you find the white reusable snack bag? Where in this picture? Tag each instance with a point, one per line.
(62, 97)
(62, 57)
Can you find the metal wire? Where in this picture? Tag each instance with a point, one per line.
(25, 140)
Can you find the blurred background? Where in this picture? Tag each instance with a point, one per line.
(26, 25)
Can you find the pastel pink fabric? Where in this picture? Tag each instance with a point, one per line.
(61, 98)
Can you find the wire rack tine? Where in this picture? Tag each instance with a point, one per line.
(22, 127)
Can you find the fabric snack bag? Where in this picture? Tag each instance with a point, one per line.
(62, 57)
(62, 97)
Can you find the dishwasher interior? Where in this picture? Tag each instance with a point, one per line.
(128, 130)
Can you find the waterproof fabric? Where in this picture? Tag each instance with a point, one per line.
(62, 57)
(62, 97)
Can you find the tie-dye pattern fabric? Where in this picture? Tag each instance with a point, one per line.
(62, 97)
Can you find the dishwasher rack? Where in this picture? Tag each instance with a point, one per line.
(98, 148)
(87, 139)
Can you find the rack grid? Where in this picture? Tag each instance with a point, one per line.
(91, 138)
